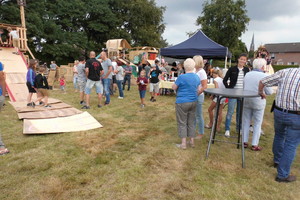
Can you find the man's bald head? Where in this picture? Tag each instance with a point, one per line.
(92, 54)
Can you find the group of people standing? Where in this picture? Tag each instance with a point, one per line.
(190, 86)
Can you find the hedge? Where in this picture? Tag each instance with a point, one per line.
(279, 67)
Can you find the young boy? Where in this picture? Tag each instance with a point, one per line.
(14, 39)
(41, 84)
(154, 82)
(142, 82)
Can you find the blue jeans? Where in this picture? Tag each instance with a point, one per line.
(199, 114)
(127, 78)
(106, 85)
(230, 111)
(119, 83)
(286, 141)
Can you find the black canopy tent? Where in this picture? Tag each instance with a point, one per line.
(198, 44)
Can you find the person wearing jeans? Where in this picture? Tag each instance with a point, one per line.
(286, 119)
(235, 76)
(119, 77)
(127, 78)
(107, 76)
(199, 64)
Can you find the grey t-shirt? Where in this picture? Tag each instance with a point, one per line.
(81, 72)
(119, 74)
(105, 65)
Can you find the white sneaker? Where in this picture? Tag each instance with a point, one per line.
(120, 97)
(227, 134)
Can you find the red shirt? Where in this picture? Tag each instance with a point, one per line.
(62, 82)
(142, 81)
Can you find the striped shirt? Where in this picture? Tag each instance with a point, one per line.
(240, 80)
(288, 92)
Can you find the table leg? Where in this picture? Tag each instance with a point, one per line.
(241, 141)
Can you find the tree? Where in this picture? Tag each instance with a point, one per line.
(62, 30)
(224, 21)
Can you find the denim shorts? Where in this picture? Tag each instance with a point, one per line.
(142, 93)
(90, 84)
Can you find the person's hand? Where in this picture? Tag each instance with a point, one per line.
(262, 95)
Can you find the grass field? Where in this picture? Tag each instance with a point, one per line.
(134, 158)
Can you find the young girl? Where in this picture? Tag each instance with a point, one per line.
(218, 82)
(31, 73)
(142, 82)
(62, 83)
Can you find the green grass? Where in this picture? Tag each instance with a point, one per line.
(134, 157)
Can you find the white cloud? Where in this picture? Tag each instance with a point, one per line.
(273, 21)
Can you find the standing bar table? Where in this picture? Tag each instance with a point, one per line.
(238, 94)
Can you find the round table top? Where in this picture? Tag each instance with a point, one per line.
(231, 92)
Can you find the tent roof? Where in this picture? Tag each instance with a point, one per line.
(198, 44)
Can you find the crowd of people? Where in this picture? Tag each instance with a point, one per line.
(190, 81)
(286, 107)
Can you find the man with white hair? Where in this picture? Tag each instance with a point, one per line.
(254, 107)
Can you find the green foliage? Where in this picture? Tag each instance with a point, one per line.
(63, 30)
(224, 21)
(279, 67)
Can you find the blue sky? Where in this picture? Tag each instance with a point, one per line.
(275, 21)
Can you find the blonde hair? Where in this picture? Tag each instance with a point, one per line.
(189, 64)
(218, 72)
(199, 63)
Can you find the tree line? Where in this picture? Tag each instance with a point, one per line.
(63, 30)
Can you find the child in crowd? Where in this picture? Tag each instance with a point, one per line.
(41, 84)
(62, 83)
(218, 82)
(119, 77)
(142, 82)
(30, 77)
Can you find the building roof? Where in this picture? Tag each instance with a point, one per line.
(283, 47)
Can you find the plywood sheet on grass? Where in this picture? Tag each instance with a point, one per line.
(46, 114)
(22, 104)
(79, 122)
(42, 108)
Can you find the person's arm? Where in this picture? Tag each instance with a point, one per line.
(2, 83)
(174, 87)
(204, 85)
(261, 90)
(225, 79)
(86, 71)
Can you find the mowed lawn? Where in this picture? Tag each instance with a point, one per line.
(134, 157)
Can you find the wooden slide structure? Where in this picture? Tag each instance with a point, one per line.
(61, 117)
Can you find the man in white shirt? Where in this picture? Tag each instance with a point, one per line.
(14, 39)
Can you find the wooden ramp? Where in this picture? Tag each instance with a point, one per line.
(59, 118)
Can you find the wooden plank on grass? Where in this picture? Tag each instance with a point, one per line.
(79, 122)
